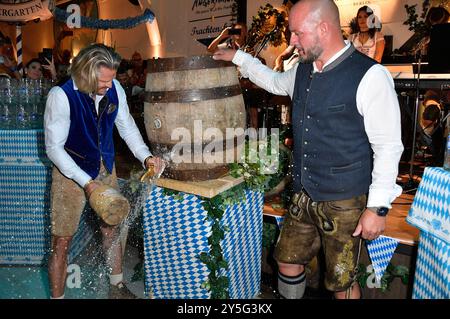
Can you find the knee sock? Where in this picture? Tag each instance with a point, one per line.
(291, 287)
(115, 279)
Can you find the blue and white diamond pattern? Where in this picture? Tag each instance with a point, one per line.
(242, 246)
(432, 276)
(430, 211)
(279, 220)
(24, 208)
(22, 147)
(25, 179)
(176, 232)
(173, 238)
(25, 216)
(381, 251)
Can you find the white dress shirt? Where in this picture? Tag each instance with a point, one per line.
(377, 103)
(57, 124)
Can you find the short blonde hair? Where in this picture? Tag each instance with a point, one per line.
(86, 64)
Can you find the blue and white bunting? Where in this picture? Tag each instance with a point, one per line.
(279, 220)
(381, 251)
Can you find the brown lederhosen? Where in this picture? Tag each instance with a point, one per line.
(309, 225)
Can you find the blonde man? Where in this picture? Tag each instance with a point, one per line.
(79, 119)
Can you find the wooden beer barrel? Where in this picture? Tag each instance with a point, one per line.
(189, 105)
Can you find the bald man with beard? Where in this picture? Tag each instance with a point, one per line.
(347, 147)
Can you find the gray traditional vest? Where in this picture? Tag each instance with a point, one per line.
(332, 154)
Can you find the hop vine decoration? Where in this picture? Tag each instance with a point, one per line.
(214, 260)
(262, 166)
(256, 178)
(392, 272)
(417, 25)
(218, 282)
(267, 22)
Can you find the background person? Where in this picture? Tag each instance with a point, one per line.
(34, 69)
(433, 133)
(366, 37)
(138, 72)
(234, 37)
(8, 65)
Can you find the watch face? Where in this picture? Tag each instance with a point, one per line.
(382, 211)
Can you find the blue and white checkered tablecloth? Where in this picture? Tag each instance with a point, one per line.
(243, 246)
(25, 179)
(432, 276)
(430, 212)
(176, 232)
(22, 147)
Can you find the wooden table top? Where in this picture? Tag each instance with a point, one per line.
(208, 188)
(396, 225)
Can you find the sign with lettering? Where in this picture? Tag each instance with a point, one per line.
(207, 18)
(24, 11)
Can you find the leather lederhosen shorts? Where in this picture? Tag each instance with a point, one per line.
(310, 225)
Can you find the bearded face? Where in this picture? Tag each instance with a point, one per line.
(308, 46)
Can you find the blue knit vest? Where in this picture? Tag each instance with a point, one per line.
(333, 157)
(90, 137)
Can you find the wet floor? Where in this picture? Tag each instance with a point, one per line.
(87, 277)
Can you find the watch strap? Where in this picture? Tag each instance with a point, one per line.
(380, 211)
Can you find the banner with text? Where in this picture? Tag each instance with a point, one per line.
(207, 18)
(25, 11)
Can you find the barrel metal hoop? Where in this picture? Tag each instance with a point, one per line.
(196, 175)
(185, 64)
(226, 144)
(195, 95)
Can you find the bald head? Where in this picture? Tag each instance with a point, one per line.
(315, 30)
(316, 11)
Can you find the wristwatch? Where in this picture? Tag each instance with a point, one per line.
(380, 211)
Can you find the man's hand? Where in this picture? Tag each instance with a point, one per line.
(157, 163)
(370, 225)
(224, 54)
(90, 187)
